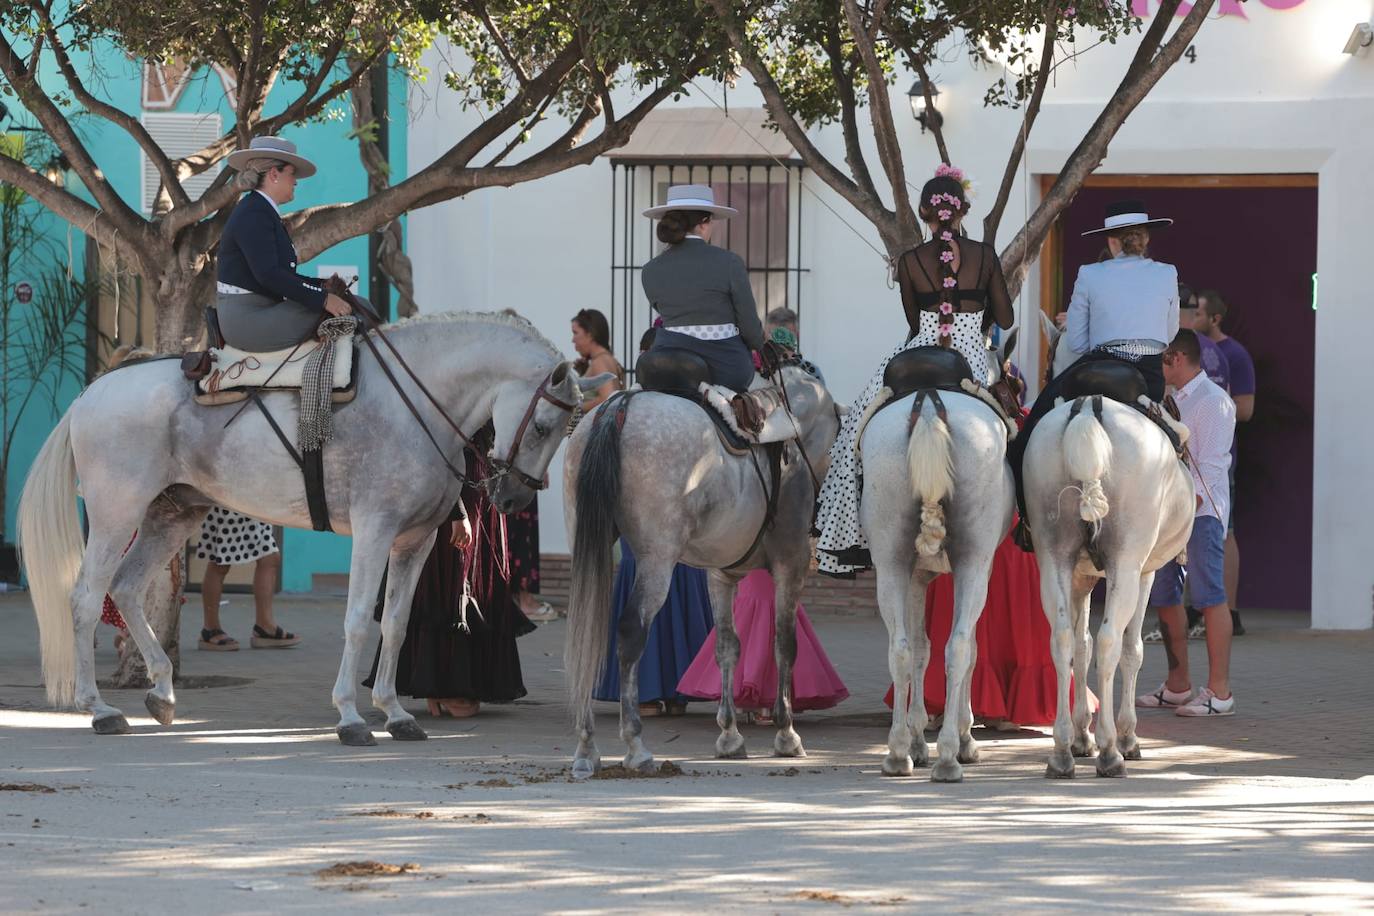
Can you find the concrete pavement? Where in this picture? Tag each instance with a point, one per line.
(240, 804)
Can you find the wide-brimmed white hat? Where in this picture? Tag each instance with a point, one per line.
(1127, 213)
(691, 197)
(272, 148)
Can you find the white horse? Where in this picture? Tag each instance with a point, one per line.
(1114, 489)
(676, 495)
(937, 495)
(150, 459)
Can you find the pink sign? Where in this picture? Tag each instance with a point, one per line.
(1225, 7)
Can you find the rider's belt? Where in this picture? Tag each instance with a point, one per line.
(707, 331)
(1133, 349)
(227, 289)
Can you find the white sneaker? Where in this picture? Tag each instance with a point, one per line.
(1163, 698)
(1153, 636)
(1206, 703)
(1198, 630)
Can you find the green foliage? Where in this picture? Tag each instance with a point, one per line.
(809, 49)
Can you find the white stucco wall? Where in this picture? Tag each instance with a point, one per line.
(1268, 93)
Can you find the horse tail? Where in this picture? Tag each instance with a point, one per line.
(589, 604)
(51, 546)
(932, 479)
(1087, 453)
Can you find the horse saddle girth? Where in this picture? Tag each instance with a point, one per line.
(234, 372)
(919, 368)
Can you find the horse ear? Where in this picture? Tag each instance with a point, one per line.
(1009, 342)
(559, 375)
(1047, 325)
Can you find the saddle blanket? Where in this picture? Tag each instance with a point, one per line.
(778, 424)
(234, 368)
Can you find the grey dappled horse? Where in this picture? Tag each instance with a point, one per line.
(676, 495)
(940, 487)
(1117, 482)
(149, 458)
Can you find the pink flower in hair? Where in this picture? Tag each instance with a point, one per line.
(935, 200)
(945, 170)
(947, 236)
(950, 283)
(946, 308)
(944, 215)
(946, 256)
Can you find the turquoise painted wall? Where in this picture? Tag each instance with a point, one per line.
(341, 178)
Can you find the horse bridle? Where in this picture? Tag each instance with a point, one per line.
(503, 467)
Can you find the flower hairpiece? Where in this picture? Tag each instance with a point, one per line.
(945, 170)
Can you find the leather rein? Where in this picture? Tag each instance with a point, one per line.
(501, 466)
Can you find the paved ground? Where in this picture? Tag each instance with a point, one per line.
(237, 806)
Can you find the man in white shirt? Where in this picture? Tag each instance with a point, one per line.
(1210, 415)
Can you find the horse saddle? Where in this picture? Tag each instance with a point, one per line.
(231, 373)
(926, 367)
(754, 417)
(1113, 378)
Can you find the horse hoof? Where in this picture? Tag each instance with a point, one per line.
(920, 758)
(1111, 765)
(969, 753)
(947, 771)
(788, 744)
(112, 725)
(731, 747)
(356, 735)
(641, 764)
(406, 730)
(1083, 748)
(897, 766)
(1060, 766)
(161, 710)
(585, 768)
(1132, 752)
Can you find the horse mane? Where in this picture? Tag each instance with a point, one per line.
(510, 318)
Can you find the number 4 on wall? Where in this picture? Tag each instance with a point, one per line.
(1191, 54)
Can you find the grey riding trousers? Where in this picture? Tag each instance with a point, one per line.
(261, 324)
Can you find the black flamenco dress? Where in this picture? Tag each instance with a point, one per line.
(439, 659)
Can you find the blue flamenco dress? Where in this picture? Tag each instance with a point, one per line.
(675, 636)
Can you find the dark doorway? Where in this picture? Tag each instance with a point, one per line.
(1253, 238)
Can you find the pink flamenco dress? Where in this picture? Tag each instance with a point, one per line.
(815, 683)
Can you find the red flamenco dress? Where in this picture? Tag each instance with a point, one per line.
(1014, 678)
(815, 683)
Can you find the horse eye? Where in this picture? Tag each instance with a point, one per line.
(541, 430)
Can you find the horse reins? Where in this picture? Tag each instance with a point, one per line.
(504, 466)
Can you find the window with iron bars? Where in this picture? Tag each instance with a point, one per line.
(766, 234)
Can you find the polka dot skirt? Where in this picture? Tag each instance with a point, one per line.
(227, 538)
(842, 549)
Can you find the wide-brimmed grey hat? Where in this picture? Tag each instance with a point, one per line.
(691, 197)
(1126, 213)
(272, 148)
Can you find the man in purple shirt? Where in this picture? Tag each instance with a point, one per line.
(1210, 314)
(1213, 359)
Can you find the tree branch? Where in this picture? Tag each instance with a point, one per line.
(94, 222)
(55, 123)
(500, 41)
(884, 130)
(869, 204)
(131, 125)
(849, 105)
(1018, 149)
(928, 92)
(1088, 155)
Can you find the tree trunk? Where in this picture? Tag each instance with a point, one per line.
(162, 607)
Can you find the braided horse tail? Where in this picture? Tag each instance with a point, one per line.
(1087, 455)
(931, 464)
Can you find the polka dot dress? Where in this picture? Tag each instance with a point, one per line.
(227, 538)
(843, 547)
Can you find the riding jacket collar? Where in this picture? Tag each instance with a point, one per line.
(268, 199)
